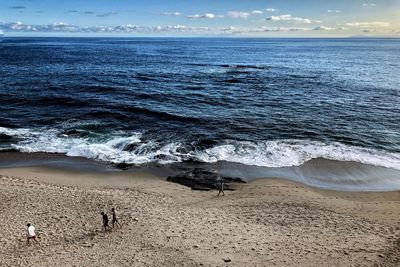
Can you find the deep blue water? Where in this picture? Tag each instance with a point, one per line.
(265, 102)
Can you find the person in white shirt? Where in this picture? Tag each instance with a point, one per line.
(30, 233)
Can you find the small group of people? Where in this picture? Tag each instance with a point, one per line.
(31, 235)
(114, 221)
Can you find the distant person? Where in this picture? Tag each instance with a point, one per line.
(114, 218)
(105, 222)
(220, 186)
(30, 233)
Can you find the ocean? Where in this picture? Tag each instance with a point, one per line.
(255, 104)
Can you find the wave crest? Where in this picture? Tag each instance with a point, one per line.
(132, 149)
(285, 153)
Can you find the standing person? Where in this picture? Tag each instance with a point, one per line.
(30, 233)
(114, 218)
(221, 186)
(105, 222)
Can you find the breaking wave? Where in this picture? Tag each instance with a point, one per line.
(134, 148)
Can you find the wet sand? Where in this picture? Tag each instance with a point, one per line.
(267, 222)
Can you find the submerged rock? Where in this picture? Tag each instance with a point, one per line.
(203, 179)
(123, 165)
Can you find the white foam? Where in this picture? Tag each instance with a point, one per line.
(281, 153)
(21, 132)
(109, 150)
(284, 153)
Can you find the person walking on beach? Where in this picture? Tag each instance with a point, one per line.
(30, 233)
(114, 218)
(221, 186)
(106, 227)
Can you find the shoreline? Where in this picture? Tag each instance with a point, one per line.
(319, 173)
(263, 222)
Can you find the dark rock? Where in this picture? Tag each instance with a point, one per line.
(202, 179)
(123, 166)
(227, 260)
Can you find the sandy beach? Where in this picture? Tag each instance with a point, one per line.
(267, 222)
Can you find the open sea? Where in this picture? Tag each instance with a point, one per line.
(262, 104)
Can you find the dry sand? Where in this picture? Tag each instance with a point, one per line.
(262, 223)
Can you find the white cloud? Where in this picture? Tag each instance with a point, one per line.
(326, 28)
(196, 16)
(257, 12)
(128, 28)
(271, 29)
(176, 14)
(281, 17)
(368, 4)
(368, 24)
(204, 16)
(178, 27)
(238, 14)
(55, 27)
(181, 29)
(228, 29)
(290, 18)
(334, 11)
(16, 26)
(270, 9)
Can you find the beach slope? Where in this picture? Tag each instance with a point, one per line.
(263, 223)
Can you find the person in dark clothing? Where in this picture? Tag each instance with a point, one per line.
(220, 186)
(105, 222)
(114, 218)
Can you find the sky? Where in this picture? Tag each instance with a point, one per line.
(256, 18)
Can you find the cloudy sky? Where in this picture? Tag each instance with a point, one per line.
(282, 18)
